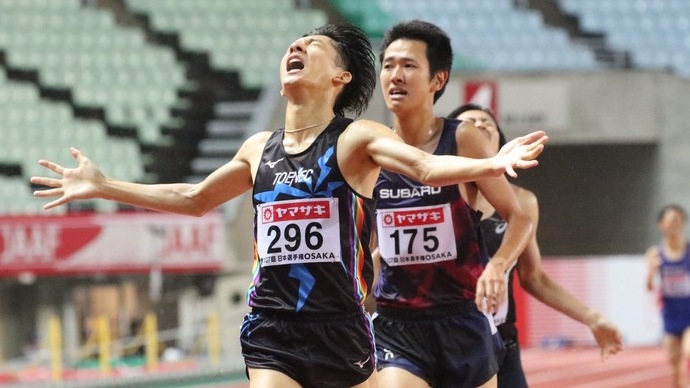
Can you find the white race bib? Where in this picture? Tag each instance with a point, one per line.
(676, 284)
(419, 235)
(298, 232)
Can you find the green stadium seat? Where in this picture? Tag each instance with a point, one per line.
(232, 30)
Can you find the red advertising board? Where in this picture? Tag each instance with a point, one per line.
(112, 243)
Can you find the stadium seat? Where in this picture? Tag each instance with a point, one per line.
(494, 34)
(35, 128)
(226, 30)
(653, 31)
(83, 49)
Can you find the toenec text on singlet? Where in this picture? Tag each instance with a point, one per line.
(311, 230)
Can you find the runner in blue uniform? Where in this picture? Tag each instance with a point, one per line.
(671, 260)
(312, 184)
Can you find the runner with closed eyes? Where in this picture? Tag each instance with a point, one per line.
(532, 278)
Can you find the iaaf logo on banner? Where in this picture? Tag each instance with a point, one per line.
(110, 244)
(39, 242)
(188, 239)
(28, 244)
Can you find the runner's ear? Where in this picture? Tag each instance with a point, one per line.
(344, 77)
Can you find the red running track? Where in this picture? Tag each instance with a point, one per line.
(582, 368)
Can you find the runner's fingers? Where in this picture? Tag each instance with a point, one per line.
(48, 193)
(50, 182)
(495, 288)
(489, 294)
(480, 296)
(488, 306)
(52, 166)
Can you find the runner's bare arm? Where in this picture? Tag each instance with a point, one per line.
(389, 151)
(653, 261)
(500, 194)
(538, 284)
(86, 181)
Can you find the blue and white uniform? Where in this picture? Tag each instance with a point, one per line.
(675, 290)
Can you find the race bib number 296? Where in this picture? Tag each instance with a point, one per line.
(298, 231)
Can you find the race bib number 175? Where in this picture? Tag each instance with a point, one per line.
(419, 235)
(298, 231)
